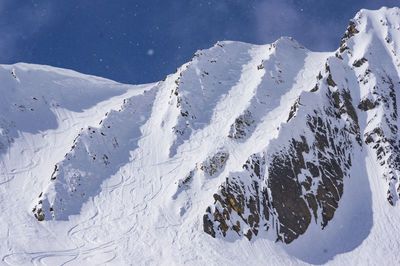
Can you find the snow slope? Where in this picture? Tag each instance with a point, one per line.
(247, 154)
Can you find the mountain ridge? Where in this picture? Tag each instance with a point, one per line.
(244, 146)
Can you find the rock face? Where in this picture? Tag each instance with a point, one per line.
(300, 180)
(212, 166)
(240, 129)
(382, 134)
(294, 182)
(268, 133)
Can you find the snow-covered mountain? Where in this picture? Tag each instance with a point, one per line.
(247, 154)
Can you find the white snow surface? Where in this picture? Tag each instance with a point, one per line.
(122, 153)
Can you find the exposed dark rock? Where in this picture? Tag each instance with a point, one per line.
(292, 210)
(293, 109)
(242, 126)
(343, 48)
(187, 179)
(232, 198)
(384, 139)
(342, 102)
(53, 175)
(316, 87)
(338, 56)
(350, 32)
(348, 106)
(289, 191)
(208, 225)
(39, 215)
(330, 81)
(215, 164)
(360, 62)
(366, 105)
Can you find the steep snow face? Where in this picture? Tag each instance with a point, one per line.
(304, 171)
(32, 97)
(244, 146)
(374, 51)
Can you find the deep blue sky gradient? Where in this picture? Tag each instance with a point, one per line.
(135, 41)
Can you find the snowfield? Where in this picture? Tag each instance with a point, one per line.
(246, 155)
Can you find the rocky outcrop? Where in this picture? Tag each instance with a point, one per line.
(366, 104)
(214, 164)
(239, 202)
(299, 180)
(350, 32)
(284, 191)
(296, 180)
(383, 138)
(242, 126)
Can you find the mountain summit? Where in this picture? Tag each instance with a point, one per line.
(247, 154)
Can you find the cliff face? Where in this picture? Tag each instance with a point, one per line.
(298, 178)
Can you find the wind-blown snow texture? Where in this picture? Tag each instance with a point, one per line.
(248, 154)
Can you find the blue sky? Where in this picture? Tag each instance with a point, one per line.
(142, 41)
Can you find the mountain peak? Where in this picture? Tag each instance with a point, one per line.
(242, 147)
